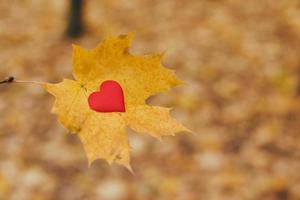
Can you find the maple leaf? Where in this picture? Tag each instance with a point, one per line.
(103, 133)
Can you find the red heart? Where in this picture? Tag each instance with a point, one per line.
(110, 98)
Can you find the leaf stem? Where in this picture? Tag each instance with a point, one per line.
(11, 79)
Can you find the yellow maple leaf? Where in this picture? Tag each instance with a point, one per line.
(103, 133)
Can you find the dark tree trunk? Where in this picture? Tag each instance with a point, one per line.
(75, 24)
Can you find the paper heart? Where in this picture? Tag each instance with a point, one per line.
(110, 98)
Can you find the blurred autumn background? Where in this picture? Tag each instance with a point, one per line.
(241, 64)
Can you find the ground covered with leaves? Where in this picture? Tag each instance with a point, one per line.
(240, 61)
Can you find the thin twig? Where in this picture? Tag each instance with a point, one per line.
(9, 79)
